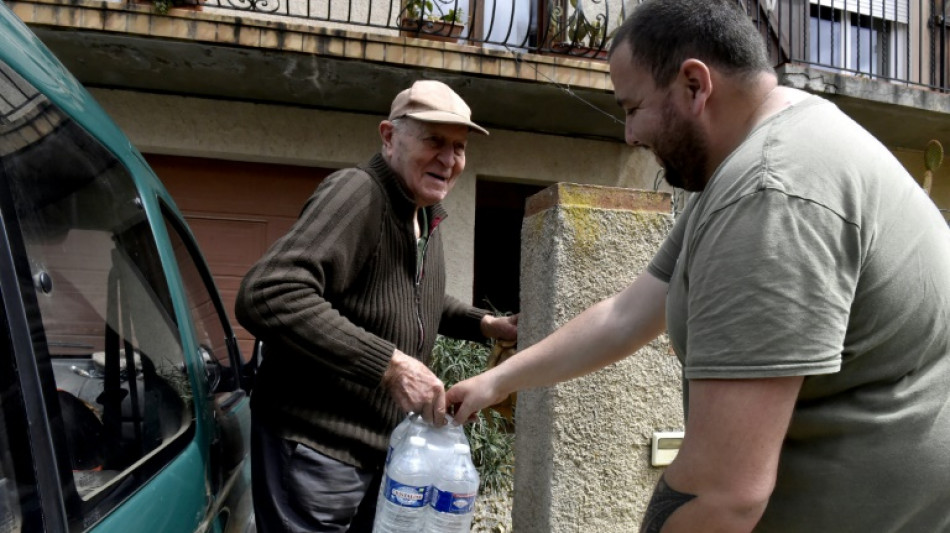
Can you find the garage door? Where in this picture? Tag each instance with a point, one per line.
(236, 210)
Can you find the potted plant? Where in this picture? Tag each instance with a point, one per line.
(577, 35)
(163, 6)
(417, 9)
(423, 18)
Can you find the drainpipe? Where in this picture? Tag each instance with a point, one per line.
(944, 82)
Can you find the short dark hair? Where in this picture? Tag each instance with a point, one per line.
(664, 33)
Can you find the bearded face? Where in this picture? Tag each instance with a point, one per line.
(652, 120)
(681, 150)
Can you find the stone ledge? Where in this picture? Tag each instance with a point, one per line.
(600, 197)
(831, 83)
(221, 26)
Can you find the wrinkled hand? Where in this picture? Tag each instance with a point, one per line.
(472, 395)
(415, 388)
(500, 327)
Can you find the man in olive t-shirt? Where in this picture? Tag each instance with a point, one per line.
(841, 275)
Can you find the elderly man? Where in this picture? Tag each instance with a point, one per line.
(348, 304)
(805, 288)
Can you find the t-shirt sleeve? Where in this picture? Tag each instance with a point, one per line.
(771, 281)
(663, 263)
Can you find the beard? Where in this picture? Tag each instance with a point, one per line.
(682, 151)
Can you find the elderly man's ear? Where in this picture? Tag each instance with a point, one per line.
(386, 131)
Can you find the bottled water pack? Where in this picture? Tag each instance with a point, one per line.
(429, 482)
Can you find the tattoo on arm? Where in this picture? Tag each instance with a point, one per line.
(665, 500)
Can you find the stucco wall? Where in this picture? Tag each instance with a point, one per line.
(582, 451)
(243, 131)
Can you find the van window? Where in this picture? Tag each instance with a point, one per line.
(17, 491)
(105, 336)
(11, 519)
(216, 344)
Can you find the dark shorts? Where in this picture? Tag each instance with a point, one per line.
(297, 489)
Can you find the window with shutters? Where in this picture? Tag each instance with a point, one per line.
(867, 37)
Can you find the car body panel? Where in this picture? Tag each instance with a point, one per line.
(197, 489)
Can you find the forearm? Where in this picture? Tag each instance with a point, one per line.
(603, 334)
(291, 315)
(705, 515)
(729, 457)
(674, 511)
(461, 320)
(664, 502)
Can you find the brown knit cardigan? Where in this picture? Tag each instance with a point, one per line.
(332, 298)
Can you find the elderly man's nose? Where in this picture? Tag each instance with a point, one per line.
(632, 139)
(447, 156)
(629, 137)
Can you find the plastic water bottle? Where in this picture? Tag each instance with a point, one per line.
(440, 440)
(405, 489)
(411, 425)
(455, 487)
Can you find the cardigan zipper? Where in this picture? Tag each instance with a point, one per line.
(420, 271)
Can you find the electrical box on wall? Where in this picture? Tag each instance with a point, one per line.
(666, 444)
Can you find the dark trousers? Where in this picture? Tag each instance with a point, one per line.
(297, 489)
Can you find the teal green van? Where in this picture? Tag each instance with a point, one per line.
(123, 396)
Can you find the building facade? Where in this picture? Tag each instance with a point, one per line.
(243, 106)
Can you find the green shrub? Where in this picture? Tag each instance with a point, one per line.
(489, 436)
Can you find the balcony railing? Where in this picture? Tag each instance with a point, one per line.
(904, 41)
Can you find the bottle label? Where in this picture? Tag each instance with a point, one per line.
(445, 501)
(406, 495)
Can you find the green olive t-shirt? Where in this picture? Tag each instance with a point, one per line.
(812, 252)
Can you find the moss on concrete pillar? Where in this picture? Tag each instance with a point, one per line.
(582, 451)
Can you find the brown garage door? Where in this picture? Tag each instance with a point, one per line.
(236, 210)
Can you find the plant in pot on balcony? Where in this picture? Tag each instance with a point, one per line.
(578, 35)
(163, 6)
(423, 18)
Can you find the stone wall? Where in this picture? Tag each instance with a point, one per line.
(582, 451)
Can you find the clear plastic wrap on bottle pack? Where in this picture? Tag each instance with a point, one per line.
(412, 425)
(439, 455)
(441, 440)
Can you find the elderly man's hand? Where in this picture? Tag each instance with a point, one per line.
(500, 327)
(415, 388)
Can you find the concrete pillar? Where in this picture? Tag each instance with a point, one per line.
(582, 448)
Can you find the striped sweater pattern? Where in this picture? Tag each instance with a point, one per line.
(332, 299)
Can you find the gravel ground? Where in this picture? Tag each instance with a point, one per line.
(492, 513)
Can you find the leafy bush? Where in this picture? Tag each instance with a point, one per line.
(490, 437)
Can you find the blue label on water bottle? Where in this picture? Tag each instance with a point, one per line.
(445, 501)
(406, 495)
